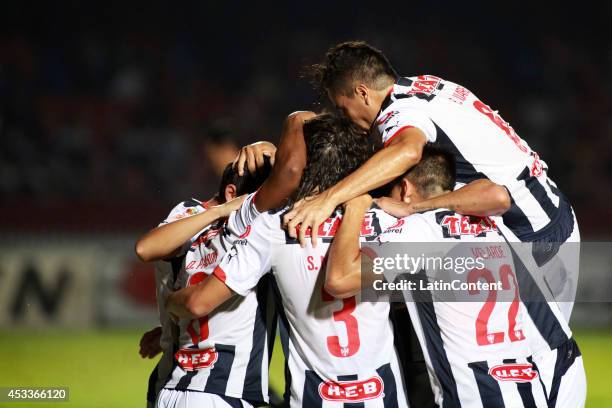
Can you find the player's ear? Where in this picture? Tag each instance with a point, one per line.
(230, 192)
(408, 190)
(362, 92)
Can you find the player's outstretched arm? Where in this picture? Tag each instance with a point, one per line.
(162, 242)
(198, 300)
(391, 162)
(481, 198)
(343, 273)
(288, 163)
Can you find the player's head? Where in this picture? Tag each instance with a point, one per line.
(356, 77)
(432, 176)
(335, 148)
(233, 185)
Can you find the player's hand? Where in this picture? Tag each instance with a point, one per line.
(363, 201)
(398, 209)
(253, 157)
(308, 213)
(149, 343)
(226, 208)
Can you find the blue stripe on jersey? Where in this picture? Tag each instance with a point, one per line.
(435, 346)
(465, 170)
(488, 388)
(219, 374)
(535, 367)
(185, 381)
(566, 355)
(353, 377)
(252, 390)
(283, 329)
(514, 218)
(525, 390)
(538, 191)
(539, 311)
(310, 395)
(232, 402)
(390, 398)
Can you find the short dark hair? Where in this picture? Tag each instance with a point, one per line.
(435, 170)
(352, 61)
(335, 148)
(246, 183)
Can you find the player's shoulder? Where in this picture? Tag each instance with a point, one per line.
(385, 220)
(264, 226)
(186, 208)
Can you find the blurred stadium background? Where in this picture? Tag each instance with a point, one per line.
(110, 113)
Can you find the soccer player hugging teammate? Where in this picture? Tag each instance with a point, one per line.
(222, 357)
(476, 356)
(503, 177)
(340, 352)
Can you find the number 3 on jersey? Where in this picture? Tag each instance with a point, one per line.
(352, 327)
(343, 315)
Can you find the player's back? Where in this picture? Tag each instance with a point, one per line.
(224, 352)
(340, 350)
(483, 143)
(473, 331)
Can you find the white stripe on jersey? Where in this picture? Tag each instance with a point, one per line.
(483, 143)
(236, 330)
(459, 355)
(330, 340)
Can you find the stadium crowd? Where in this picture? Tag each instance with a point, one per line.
(97, 108)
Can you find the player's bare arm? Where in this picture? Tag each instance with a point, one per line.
(288, 163)
(402, 153)
(198, 300)
(481, 198)
(163, 242)
(343, 273)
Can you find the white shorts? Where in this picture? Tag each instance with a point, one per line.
(562, 373)
(195, 399)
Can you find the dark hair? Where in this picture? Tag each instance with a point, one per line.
(246, 183)
(335, 148)
(352, 61)
(436, 169)
(221, 131)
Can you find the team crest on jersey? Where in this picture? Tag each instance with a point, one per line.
(352, 391)
(424, 87)
(456, 225)
(513, 372)
(191, 360)
(187, 213)
(370, 228)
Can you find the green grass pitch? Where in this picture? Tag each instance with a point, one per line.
(103, 368)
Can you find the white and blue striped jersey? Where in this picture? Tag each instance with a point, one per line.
(166, 272)
(339, 353)
(478, 351)
(225, 352)
(484, 145)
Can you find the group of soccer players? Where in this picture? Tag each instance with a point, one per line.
(289, 240)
